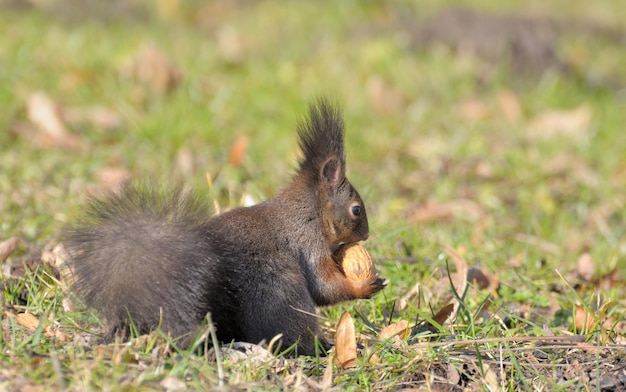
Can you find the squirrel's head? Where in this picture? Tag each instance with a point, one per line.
(343, 212)
(323, 165)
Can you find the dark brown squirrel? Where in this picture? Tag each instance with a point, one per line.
(158, 258)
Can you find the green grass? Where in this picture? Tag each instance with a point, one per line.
(250, 70)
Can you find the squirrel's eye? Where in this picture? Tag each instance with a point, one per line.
(356, 210)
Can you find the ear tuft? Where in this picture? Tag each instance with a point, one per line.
(321, 141)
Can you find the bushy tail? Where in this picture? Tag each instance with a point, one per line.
(131, 253)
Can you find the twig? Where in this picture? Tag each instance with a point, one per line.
(576, 338)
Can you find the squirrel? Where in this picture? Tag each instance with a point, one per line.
(148, 257)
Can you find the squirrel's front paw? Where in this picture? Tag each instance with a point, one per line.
(369, 287)
(373, 286)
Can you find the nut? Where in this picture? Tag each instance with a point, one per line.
(356, 262)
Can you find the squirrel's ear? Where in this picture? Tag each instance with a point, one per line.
(332, 173)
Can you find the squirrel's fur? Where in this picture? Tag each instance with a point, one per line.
(157, 258)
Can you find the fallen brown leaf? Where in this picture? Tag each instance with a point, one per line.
(585, 267)
(45, 114)
(432, 211)
(482, 279)
(53, 331)
(345, 342)
(509, 106)
(68, 304)
(151, 68)
(185, 162)
(32, 388)
(238, 150)
(439, 318)
(327, 379)
(516, 261)
(8, 247)
(473, 110)
(452, 375)
(173, 384)
(490, 378)
(98, 117)
(609, 280)
(383, 97)
(403, 302)
(443, 314)
(27, 320)
(400, 328)
(544, 245)
(229, 44)
(585, 319)
(113, 177)
(573, 123)
(371, 355)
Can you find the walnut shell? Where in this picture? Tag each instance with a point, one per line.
(356, 262)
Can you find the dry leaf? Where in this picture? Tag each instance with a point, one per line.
(32, 388)
(345, 342)
(113, 177)
(433, 211)
(473, 110)
(44, 113)
(401, 327)
(68, 305)
(61, 254)
(98, 117)
(443, 314)
(482, 279)
(238, 150)
(490, 378)
(383, 97)
(48, 257)
(453, 375)
(440, 318)
(560, 123)
(543, 245)
(327, 379)
(169, 10)
(609, 281)
(27, 321)
(173, 384)
(8, 247)
(516, 261)
(509, 106)
(585, 320)
(55, 332)
(403, 302)
(151, 68)
(229, 44)
(244, 351)
(370, 354)
(185, 162)
(585, 267)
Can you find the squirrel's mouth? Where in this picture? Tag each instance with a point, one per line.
(335, 246)
(351, 239)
